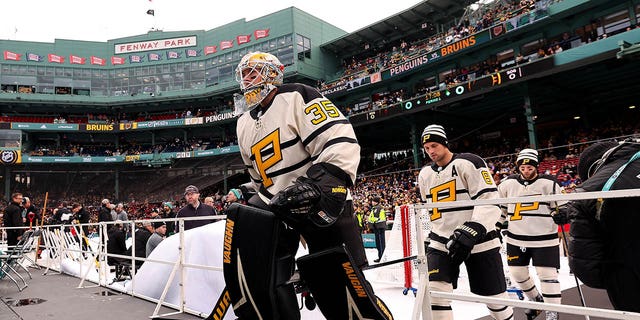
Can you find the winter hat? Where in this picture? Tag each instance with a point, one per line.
(191, 189)
(527, 156)
(591, 155)
(435, 133)
(168, 204)
(237, 193)
(158, 224)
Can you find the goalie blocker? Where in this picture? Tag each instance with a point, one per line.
(256, 277)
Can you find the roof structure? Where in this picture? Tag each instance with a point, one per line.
(423, 19)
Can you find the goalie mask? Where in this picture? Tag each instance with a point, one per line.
(258, 73)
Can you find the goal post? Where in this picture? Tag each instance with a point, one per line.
(401, 243)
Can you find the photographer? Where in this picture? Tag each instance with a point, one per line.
(603, 246)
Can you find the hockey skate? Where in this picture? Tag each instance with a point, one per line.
(532, 313)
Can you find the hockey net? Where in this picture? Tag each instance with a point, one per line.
(401, 243)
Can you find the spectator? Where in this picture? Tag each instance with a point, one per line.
(209, 201)
(13, 218)
(31, 213)
(104, 214)
(194, 208)
(122, 216)
(157, 237)
(142, 236)
(234, 195)
(168, 213)
(117, 244)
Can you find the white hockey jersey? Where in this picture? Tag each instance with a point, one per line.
(466, 177)
(300, 127)
(530, 224)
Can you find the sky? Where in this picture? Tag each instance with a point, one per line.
(102, 20)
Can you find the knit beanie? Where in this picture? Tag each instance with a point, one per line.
(237, 193)
(527, 156)
(435, 133)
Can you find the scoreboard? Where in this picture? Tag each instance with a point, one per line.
(437, 98)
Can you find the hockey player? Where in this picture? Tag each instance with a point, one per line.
(532, 233)
(302, 155)
(461, 234)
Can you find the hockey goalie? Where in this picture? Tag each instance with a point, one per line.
(302, 155)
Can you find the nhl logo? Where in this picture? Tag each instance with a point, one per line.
(9, 156)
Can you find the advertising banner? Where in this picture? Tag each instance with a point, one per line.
(45, 126)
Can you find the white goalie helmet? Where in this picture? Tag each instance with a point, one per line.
(258, 73)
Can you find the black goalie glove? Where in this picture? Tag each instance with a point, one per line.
(463, 239)
(319, 197)
(297, 198)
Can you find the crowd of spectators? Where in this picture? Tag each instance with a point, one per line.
(464, 74)
(106, 149)
(180, 112)
(399, 52)
(355, 68)
(391, 175)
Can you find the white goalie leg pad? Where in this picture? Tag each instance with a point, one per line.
(500, 312)
(441, 308)
(549, 284)
(521, 277)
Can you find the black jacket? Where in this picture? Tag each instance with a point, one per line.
(83, 216)
(190, 211)
(142, 235)
(117, 243)
(104, 214)
(13, 218)
(171, 225)
(603, 242)
(13, 215)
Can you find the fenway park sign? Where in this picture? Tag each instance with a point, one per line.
(159, 44)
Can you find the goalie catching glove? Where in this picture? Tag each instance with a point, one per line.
(319, 197)
(463, 239)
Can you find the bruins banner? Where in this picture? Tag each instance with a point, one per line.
(10, 156)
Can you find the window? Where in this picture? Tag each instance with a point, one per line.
(303, 47)
(531, 47)
(616, 22)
